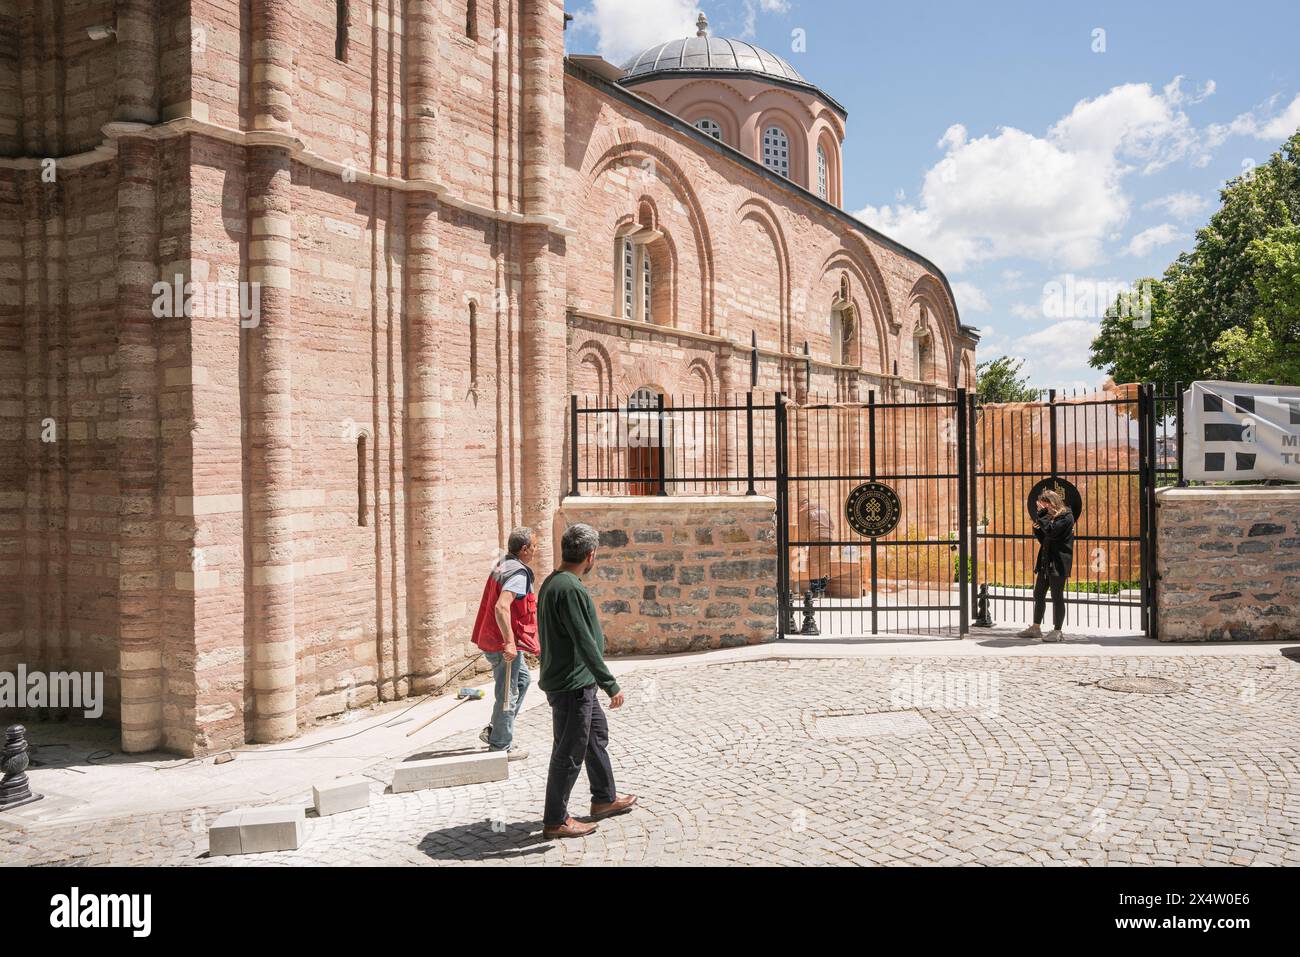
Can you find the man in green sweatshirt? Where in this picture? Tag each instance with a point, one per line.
(573, 666)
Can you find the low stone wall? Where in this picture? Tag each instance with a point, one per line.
(680, 573)
(1229, 564)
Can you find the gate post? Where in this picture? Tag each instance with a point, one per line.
(1144, 505)
(782, 520)
(963, 513)
(972, 481)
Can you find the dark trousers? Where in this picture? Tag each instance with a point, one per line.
(581, 735)
(1057, 584)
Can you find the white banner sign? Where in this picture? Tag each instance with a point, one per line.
(1235, 432)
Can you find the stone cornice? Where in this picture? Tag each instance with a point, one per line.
(298, 151)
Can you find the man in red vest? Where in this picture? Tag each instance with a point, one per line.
(505, 628)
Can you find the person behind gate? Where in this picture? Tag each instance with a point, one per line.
(573, 666)
(506, 627)
(1054, 529)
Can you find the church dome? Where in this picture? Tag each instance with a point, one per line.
(714, 54)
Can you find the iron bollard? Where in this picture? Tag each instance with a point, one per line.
(791, 625)
(982, 617)
(809, 619)
(15, 790)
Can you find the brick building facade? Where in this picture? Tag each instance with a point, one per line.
(291, 298)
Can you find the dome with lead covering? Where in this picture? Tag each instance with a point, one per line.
(703, 52)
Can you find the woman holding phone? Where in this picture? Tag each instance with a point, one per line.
(1054, 529)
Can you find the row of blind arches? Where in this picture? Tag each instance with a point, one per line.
(776, 152)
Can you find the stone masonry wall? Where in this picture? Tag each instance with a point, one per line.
(1229, 564)
(681, 573)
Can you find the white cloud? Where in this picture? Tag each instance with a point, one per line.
(1056, 198)
(1150, 239)
(970, 298)
(1181, 205)
(1258, 123)
(623, 28)
(1283, 125)
(1057, 346)
(751, 14)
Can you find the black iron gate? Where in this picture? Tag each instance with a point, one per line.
(949, 485)
(1100, 453)
(909, 513)
(872, 517)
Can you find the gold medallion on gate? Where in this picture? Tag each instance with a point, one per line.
(873, 509)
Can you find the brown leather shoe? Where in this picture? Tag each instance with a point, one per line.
(620, 805)
(570, 828)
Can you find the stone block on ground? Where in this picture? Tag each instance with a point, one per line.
(256, 830)
(344, 794)
(450, 771)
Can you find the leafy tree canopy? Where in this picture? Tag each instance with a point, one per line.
(1229, 308)
(999, 380)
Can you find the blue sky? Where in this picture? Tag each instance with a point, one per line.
(1037, 161)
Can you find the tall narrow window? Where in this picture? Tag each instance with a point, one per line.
(629, 279)
(471, 19)
(776, 151)
(473, 350)
(362, 517)
(821, 172)
(709, 126)
(341, 30)
(645, 285)
(837, 337)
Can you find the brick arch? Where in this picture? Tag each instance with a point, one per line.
(867, 300)
(761, 212)
(622, 144)
(663, 254)
(777, 98)
(796, 132)
(595, 356)
(931, 292)
(872, 281)
(967, 370)
(694, 100)
(831, 119)
(633, 372)
(701, 369)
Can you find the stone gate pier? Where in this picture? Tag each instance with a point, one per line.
(1228, 559)
(681, 572)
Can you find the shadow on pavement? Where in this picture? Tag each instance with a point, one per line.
(479, 842)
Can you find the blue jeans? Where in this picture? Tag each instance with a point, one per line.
(503, 716)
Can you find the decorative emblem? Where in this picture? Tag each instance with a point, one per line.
(873, 509)
(1067, 490)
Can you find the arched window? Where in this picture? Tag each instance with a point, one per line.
(636, 280)
(821, 172)
(629, 279)
(646, 314)
(709, 126)
(471, 19)
(642, 399)
(924, 345)
(776, 151)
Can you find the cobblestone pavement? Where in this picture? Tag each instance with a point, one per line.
(1011, 760)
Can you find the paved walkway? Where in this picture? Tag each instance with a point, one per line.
(988, 755)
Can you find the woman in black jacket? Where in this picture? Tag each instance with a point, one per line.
(1054, 529)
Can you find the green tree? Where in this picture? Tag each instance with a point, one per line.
(1133, 344)
(999, 380)
(1269, 349)
(1228, 308)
